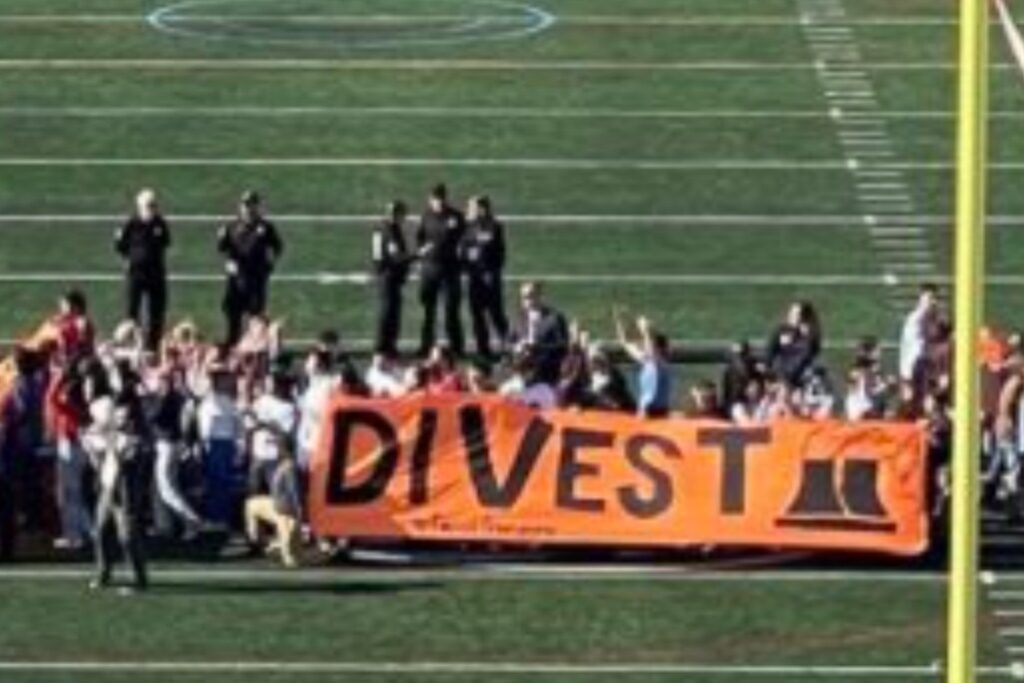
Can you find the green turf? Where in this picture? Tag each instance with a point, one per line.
(439, 620)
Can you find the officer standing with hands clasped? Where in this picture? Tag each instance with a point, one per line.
(251, 248)
(438, 240)
(483, 253)
(142, 243)
(391, 261)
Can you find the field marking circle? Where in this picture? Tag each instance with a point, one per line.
(484, 21)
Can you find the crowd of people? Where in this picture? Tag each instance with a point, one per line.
(152, 433)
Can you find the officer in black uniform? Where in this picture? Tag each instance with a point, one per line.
(438, 239)
(483, 253)
(251, 248)
(391, 261)
(142, 243)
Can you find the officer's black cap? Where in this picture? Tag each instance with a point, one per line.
(251, 198)
(440, 191)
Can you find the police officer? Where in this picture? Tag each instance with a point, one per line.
(251, 248)
(391, 260)
(483, 253)
(437, 240)
(142, 243)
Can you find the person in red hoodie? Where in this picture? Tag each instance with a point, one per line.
(76, 334)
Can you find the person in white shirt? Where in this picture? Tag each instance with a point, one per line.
(755, 407)
(384, 377)
(272, 423)
(865, 397)
(321, 383)
(915, 330)
(220, 428)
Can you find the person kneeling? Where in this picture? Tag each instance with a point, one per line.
(280, 509)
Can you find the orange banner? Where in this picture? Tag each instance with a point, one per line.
(478, 468)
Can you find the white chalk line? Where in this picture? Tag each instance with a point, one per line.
(437, 65)
(598, 20)
(584, 220)
(514, 163)
(364, 278)
(258, 111)
(932, 670)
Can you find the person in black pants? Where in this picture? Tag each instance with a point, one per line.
(483, 253)
(391, 267)
(142, 243)
(251, 248)
(437, 240)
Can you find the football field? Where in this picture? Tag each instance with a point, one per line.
(637, 624)
(703, 161)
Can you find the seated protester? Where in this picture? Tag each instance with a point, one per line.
(865, 396)
(76, 333)
(868, 353)
(754, 407)
(608, 388)
(220, 429)
(526, 386)
(574, 379)
(816, 399)
(384, 377)
(739, 369)
(260, 344)
(704, 401)
(127, 343)
(780, 397)
(442, 373)
(321, 382)
(541, 331)
(329, 342)
(280, 508)
(795, 345)
(908, 407)
(416, 380)
(654, 377)
(271, 422)
(479, 378)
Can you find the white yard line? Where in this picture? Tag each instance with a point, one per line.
(262, 111)
(930, 671)
(600, 20)
(516, 163)
(582, 220)
(439, 65)
(363, 278)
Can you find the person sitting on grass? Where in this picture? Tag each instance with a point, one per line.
(280, 508)
(654, 378)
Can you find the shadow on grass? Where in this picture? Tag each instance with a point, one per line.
(286, 587)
